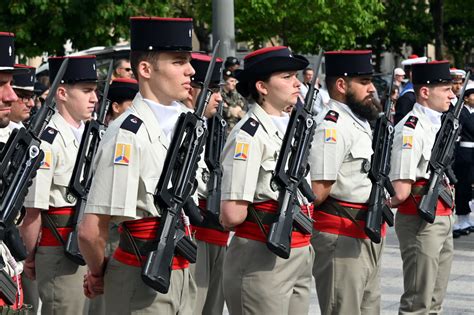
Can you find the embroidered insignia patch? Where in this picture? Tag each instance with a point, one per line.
(46, 163)
(407, 142)
(332, 116)
(411, 122)
(122, 154)
(241, 151)
(330, 135)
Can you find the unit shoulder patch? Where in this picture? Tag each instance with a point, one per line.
(49, 134)
(47, 160)
(330, 135)
(131, 123)
(407, 142)
(241, 151)
(332, 116)
(122, 153)
(411, 122)
(250, 126)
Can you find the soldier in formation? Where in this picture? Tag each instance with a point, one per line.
(246, 275)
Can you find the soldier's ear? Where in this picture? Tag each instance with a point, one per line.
(424, 92)
(341, 86)
(261, 88)
(144, 69)
(61, 93)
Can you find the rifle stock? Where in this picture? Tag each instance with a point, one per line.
(294, 154)
(378, 211)
(176, 184)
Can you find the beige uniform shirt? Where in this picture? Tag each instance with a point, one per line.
(249, 160)
(49, 188)
(5, 134)
(128, 166)
(413, 140)
(341, 151)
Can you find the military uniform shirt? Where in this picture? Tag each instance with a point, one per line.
(413, 140)
(248, 160)
(128, 165)
(5, 134)
(341, 151)
(49, 188)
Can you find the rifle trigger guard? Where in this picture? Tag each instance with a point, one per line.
(390, 129)
(34, 151)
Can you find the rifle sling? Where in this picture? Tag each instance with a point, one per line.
(49, 223)
(332, 207)
(256, 218)
(130, 244)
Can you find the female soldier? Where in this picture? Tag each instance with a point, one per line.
(256, 281)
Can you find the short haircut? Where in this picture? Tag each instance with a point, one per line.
(307, 69)
(417, 87)
(331, 82)
(138, 56)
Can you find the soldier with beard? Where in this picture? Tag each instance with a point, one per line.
(347, 263)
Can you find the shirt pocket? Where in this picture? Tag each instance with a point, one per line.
(361, 157)
(62, 179)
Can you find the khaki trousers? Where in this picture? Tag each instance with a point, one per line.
(30, 294)
(207, 272)
(427, 254)
(126, 293)
(59, 282)
(346, 271)
(256, 281)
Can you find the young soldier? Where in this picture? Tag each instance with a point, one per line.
(347, 263)
(49, 207)
(426, 249)
(256, 281)
(211, 239)
(127, 169)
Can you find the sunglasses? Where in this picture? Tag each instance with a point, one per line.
(127, 69)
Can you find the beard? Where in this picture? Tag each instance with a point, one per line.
(368, 108)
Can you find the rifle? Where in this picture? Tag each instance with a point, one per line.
(441, 158)
(19, 161)
(81, 178)
(175, 186)
(294, 154)
(212, 156)
(382, 141)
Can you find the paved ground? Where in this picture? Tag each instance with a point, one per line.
(460, 295)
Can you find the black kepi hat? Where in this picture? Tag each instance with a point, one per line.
(161, 34)
(231, 61)
(26, 80)
(79, 69)
(266, 61)
(122, 89)
(200, 63)
(7, 53)
(348, 63)
(229, 74)
(431, 73)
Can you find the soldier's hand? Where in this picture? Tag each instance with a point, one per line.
(93, 285)
(29, 269)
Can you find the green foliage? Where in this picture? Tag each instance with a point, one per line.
(306, 25)
(459, 29)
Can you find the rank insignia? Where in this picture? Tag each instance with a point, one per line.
(46, 163)
(122, 153)
(332, 116)
(411, 122)
(407, 142)
(241, 151)
(330, 135)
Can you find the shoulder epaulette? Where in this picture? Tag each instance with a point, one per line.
(131, 123)
(250, 126)
(411, 122)
(332, 116)
(49, 134)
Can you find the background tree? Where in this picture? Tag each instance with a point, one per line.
(459, 30)
(306, 25)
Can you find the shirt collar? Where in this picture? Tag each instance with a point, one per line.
(431, 116)
(469, 108)
(266, 121)
(165, 115)
(64, 129)
(15, 125)
(360, 121)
